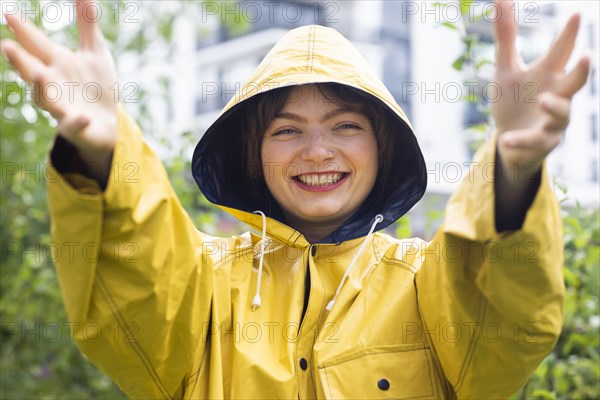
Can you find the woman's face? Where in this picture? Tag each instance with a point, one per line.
(319, 159)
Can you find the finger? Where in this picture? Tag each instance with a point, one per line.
(71, 126)
(28, 66)
(34, 72)
(557, 110)
(90, 36)
(575, 79)
(561, 49)
(31, 38)
(505, 32)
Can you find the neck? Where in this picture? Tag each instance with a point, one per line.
(313, 232)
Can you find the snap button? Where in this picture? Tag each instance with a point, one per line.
(313, 251)
(383, 384)
(303, 364)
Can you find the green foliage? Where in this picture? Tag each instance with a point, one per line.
(572, 371)
(471, 62)
(38, 359)
(402, 228)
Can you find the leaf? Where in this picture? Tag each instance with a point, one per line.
(480, 128)
(481, 63)
(449, 25)
(465, 5)
(561, 186)
(403, 228)
(543, 394)
(472, 98)
(458, 63)
(570, 277)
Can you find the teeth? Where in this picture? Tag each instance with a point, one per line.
(320, 180)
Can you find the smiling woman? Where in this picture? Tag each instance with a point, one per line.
(315, 148)
(260, 112)
(324, 162)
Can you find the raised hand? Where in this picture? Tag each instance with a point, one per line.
(532, 123)
(87, 119)
(533, 112)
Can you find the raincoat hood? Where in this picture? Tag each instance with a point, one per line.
(307, 55)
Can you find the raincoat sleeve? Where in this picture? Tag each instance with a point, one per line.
(130, 269)
(492, 302)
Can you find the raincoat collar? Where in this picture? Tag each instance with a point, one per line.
(310, 54)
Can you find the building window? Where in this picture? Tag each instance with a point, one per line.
(285, 14)
(594, 170)
(593, 83)
(594, 127)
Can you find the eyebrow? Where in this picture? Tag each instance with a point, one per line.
(328, 116)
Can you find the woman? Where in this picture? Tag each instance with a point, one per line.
(316, 155)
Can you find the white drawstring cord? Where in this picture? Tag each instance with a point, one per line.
(378, 219)
(256, 301)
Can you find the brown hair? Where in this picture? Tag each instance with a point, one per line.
(258, 112)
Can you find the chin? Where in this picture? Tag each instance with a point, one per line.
(321, 215)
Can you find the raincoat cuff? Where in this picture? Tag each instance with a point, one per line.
(66, 169)
(470, 213)
(545, 205)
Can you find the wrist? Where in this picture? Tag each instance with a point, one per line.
(516, 171)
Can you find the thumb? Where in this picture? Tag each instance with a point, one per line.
(70, 126)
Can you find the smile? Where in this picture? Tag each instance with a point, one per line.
(325, 181)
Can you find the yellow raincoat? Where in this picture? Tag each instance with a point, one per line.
(166, 311)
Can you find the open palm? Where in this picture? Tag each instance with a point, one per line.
(533, 111)
(86, 109)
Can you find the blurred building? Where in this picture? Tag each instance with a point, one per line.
(219, 45)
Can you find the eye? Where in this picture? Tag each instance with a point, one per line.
(287, 131)
(348, 125)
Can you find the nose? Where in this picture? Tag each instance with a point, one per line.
(317, 146)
